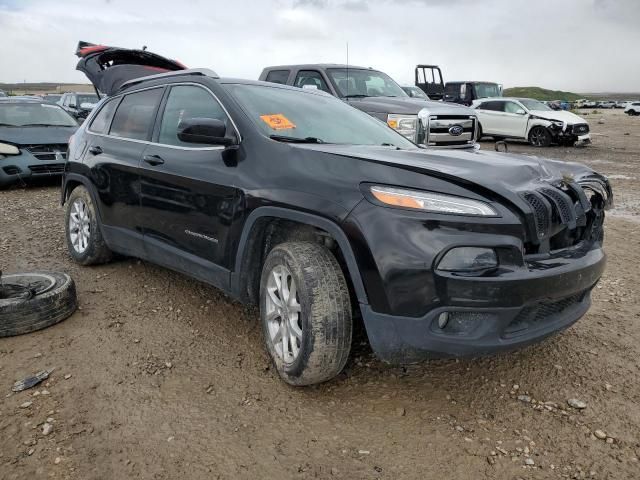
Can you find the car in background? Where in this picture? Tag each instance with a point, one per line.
(606, 104)
(531, 120)
(466, 92)
(415, 92)
(632, 108)
(621, 103)
(34, 138)
(78, 105)
(425, 122)
(52, 97)
(589, 104)
(2, 94)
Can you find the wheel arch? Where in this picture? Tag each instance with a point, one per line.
(73, 180)
(253, 236)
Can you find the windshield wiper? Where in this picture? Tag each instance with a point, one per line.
(40, 125)
(356, 95)
(8, 125)
(285, 138)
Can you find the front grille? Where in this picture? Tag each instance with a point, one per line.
(564, 206)
(537, 315)
(581, 129)
(47, 168)
(541, 213)
(438, 130)
(50, 152)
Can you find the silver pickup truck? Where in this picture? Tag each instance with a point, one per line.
(425, 122)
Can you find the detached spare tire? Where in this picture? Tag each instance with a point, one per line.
(32, 301)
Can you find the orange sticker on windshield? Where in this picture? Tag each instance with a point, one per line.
(277, 121)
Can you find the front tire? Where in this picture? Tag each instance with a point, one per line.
(540, 137)
(305, 313)
(85, 243)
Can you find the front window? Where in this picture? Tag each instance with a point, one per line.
(486, 90)
(534, 105)
(364, 83)
(34, 115)
(298, 115)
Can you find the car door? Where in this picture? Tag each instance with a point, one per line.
(514, 119)
(187, 196)
(489, 115)
(116, 140)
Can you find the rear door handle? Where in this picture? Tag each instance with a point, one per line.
(153, 160)
(95, 150)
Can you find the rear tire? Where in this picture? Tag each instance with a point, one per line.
(540, 137)
(305, 313)
(85, 243)
(480, 134)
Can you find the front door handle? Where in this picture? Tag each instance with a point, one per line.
(95, 150)
(153, 160)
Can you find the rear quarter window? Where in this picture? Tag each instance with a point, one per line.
(136, 114)
(102, 120)
(278, 76)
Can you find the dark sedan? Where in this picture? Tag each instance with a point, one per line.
(34, 137)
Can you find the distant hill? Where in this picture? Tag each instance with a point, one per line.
(541, 94)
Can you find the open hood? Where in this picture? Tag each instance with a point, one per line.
(108, 68)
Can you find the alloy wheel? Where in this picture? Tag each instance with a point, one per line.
(79, 226)
(283, 314)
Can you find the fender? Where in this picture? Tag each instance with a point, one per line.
(86, 183)
(306, 218)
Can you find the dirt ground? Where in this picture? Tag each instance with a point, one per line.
(169, 379)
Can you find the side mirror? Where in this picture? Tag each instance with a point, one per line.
(520, 111)
(209, 131)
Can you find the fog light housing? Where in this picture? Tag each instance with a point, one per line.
(443, 319)
(468, 259)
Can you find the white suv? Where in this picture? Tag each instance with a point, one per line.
(632, 108)
(531, 120)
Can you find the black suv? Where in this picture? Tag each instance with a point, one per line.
(293, 200)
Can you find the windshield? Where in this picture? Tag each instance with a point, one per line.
(34, 114)
(314, 117)
(93, 99)
(364, 83)
(534, 104)
(52, 98)
(415, 92)
(485, 90)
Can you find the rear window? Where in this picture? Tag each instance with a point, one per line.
(102, 120)
(278, 76)
(135, 114)
(493, 106)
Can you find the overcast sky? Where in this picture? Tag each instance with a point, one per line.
(577, 45)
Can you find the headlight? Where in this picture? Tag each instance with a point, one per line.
(468, 259)
(404, 124)
(6, 149)
(432, 202)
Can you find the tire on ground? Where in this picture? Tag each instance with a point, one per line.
(31, 313)
(543, 135)
(97, 251)
(325, 309)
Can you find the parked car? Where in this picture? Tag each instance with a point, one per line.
(290, 199)
(2, 94)
(78, 105)
(52, 97)
(621, 103)
(632, 108)
(531, 120)
(435, 124)
(606, 104)
(415, 92)
(34, 137)
(589, 104)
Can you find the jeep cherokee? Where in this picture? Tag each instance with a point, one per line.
(295, 201)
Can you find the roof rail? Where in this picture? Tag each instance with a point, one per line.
(190, 71)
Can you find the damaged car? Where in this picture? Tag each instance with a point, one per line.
(34, 137)
(292, 200)
(530, 120)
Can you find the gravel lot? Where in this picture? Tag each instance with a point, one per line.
(161, 377)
